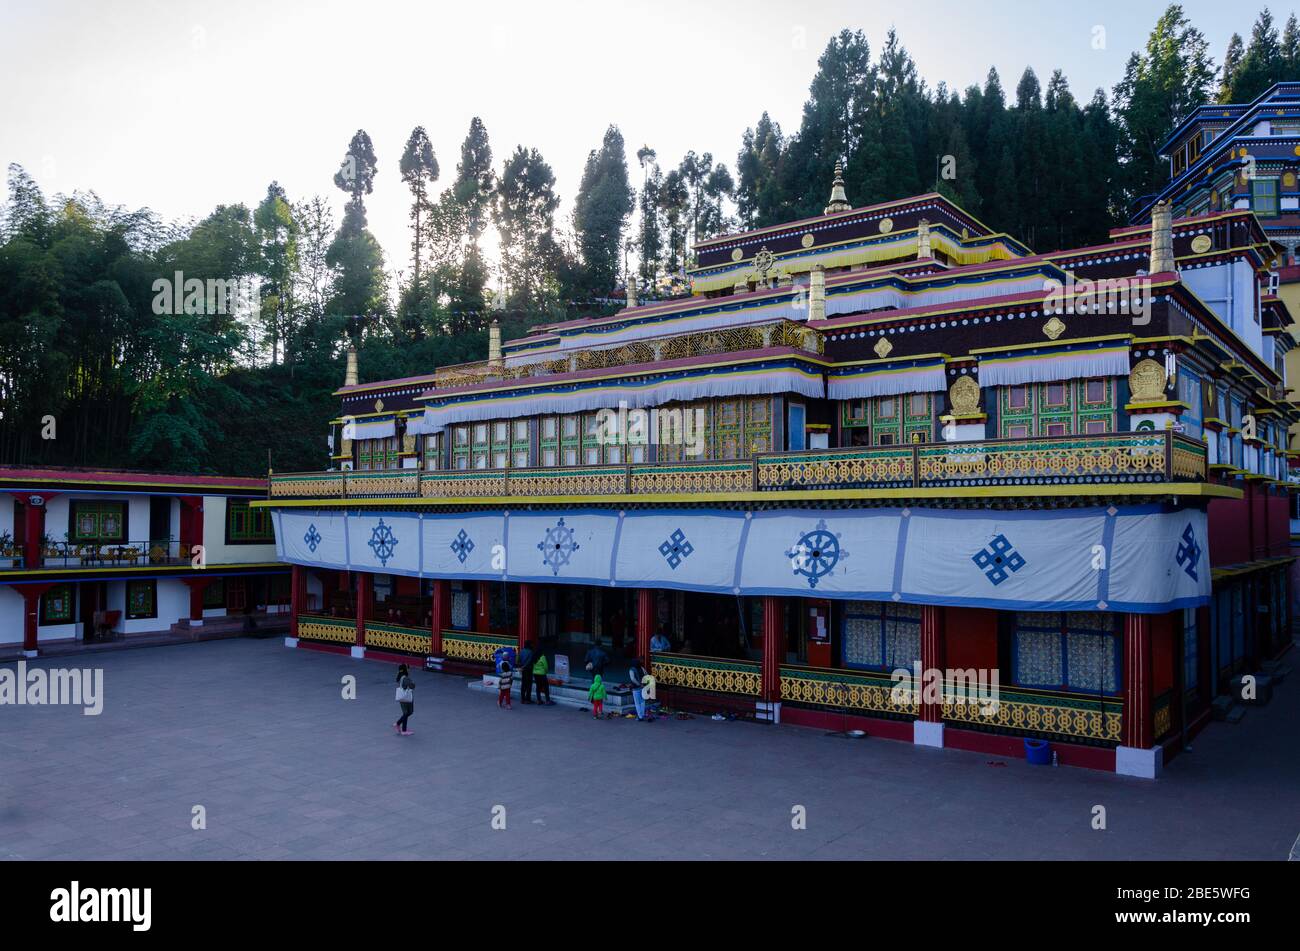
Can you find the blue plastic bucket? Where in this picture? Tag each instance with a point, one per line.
(1038, 752)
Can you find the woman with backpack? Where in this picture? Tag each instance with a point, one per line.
(405, 699)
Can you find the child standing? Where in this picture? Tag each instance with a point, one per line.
(507, 679)
(596, 694)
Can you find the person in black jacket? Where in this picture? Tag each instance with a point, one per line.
(527, 657)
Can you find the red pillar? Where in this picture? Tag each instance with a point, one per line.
(773, 647)
(645, 622)
(365, 591)
(191, 523)
(483, 608)
(527, 614)
(31, 613)
(33, 526)
(1136, 730)
(197, 588)
(932, 644)
(441, 615)
(297, 596)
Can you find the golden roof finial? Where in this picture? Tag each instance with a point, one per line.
(839, 200)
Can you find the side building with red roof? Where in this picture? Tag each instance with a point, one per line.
(91, 555)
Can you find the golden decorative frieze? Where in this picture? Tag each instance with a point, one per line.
(335, 630)
(1039, 713)
(842, 688)
(701, 673)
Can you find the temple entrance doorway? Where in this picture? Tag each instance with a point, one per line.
(574, 620)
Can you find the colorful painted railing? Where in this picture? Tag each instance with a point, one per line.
(1037, 712)
(844, 690)
(1163, 456)
(473, 648)
(715, 674)
(333, 629)
(517, 483)
(398, 637)
(861, 467)
(1104, 457)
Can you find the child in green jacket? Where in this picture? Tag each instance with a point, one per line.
(540, 669)
(596, 694)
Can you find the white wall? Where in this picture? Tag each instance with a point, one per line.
(11, 615)
(1230, 290)
(214, 538)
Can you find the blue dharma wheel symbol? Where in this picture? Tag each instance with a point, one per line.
(816, 554)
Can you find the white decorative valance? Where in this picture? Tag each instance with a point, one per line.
(886, 381)
(896, 298)
(1156, 560)
(378, 429)
(418, 426)
(1051, 367)
(633, 393)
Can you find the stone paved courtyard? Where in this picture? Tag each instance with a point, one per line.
(285, 768)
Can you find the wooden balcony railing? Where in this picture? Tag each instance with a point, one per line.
(1104, 458)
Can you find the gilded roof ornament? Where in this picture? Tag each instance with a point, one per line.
(839, 200)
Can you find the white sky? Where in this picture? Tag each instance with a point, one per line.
(183, 105)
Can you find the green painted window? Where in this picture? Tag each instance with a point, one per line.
(1060, 408)
(57, 605)
(460, 447)
(433, 451)
(378, 453)
(481, 445)
(1263, 197)
(141, 599)
(246, 525)
(214, 595)
(98, 522)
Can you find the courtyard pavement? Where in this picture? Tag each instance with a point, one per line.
(260, 737)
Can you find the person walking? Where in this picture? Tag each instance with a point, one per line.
(596, 659)
(636, 677)
(505, 681)
(596, 694)
(405, 699)
(540, 669)
(527, 657)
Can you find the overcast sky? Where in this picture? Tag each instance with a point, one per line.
(181, 105)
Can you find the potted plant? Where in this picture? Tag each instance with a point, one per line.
(49, 547)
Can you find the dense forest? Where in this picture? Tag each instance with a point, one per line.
(104, 360)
